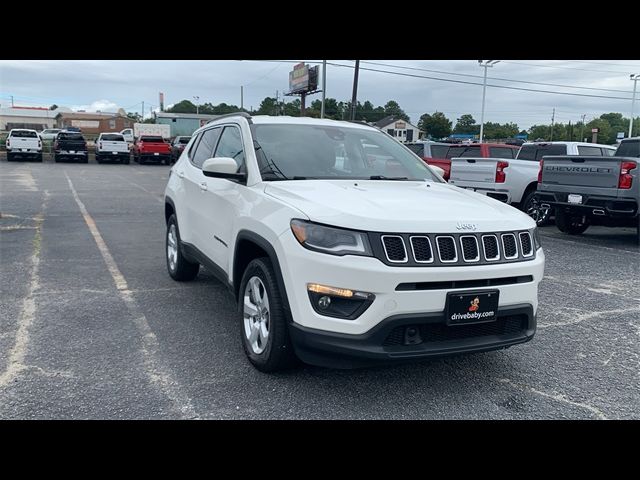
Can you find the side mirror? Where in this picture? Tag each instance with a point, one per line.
(222, 167)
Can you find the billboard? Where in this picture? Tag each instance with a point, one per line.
(161, 101)
(303, 79)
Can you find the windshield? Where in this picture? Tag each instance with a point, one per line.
(24, 134)
(151, 139)
(113, 137)
(296, 152)
(465, 151)
(184, 140)
(70, 136)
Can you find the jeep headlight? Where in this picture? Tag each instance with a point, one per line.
(332, 240)
(536, 238)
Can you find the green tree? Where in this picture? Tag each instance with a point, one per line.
(393, 108)
(292, 108)
(605, 135)
(53, 107)
(184, 106)
(134, 116)
(268, 106)
(436, 125)
(466, 124)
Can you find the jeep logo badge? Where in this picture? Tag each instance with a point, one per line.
(467, 226)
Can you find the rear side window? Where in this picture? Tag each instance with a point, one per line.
(230, 145)
(527, 152)
(589, 151)
(501, 152)
(152, 139)
(112, 137)
(24, 134)
(70, 136)
(629, 149)
(184, 140)
(439, 151)
(206, 144)
(417, 148)
(470, 151)
(608, 152)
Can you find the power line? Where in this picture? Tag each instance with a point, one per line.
(562, 67)
(497, 78)
(488, 85)
(604, 63)
(266, 75)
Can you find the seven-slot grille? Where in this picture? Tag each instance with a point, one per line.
(454, 249)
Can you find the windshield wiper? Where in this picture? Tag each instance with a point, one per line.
(382, 177)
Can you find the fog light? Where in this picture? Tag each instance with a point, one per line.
(338, 302)
(324, 302)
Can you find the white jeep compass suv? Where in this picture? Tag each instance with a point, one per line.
(343, 248)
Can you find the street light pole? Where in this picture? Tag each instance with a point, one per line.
(635, 79)
(324, 86)
(197, 105)
(486, 64)
(354, 96)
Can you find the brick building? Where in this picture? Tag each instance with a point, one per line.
(94, 122)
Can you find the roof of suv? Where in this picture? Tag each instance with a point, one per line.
(580, 144)
(283, 120)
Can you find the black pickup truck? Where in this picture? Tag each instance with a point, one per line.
(70, 146)
(587, 190)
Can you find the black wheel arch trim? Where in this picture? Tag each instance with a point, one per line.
(264, 244)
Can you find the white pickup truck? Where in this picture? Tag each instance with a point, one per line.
(112, 146)
(24, 143)
(514, 181)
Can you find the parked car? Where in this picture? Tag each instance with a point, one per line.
(477, 150)
(127, 133)
(514, 181)
(112, 147)
(73, 129)
(23, 143)
(341, 262)
(151, 130)
(587, 190)
(70, 145)
(49, 133)
(177, 147)
(151, 149)
(430, 151)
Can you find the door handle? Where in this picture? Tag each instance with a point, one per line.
(203, 186)
(181, 174)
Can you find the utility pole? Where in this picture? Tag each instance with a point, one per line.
(196, 98)
(354, 96)
(324, 86)
(635, 78)
(277, 112)
(11, 101)
(486, 64)
(570, 132)
(553, 117)
(142, 113)
(582, 127)
(241, 97)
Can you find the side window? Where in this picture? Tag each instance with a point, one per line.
(500, 152)
(230, 145)
(607, 152)
(589, 151)
(206, 144)
(527, 152)
(417, 148)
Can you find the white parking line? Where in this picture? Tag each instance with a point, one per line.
(158, 375)
(558, 397)
(15, 362)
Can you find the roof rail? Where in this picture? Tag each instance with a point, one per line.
(234, 114)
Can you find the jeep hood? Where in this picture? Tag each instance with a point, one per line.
(397, 206)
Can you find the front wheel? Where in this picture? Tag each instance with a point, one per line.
(179, 267)
(531, 207)
(263, 326)
(126, 161)
(571, 223)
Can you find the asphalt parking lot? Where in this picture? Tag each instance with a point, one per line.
(93, 327)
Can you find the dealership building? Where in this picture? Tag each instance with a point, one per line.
(399, 129)
(34, 118)
(94, 122)
(183, 124)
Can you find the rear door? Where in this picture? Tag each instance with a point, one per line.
(473, 172)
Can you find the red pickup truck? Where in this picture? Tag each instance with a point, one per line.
(150, 148)
(478, 150)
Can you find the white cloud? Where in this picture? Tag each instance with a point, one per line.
(98, 106)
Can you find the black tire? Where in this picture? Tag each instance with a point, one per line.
(56, 159)
(531, 207)
(278, 353)
(39, 158)
(166, 161)
(571, 223)
(9, 157)
(125, 160)
(98, 158)
(140, 160)
(184, 270)
(85, 159)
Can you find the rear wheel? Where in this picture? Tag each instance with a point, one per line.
(98, 158)
(179, 267)
(263, 327)
(39, 158)
(56, 158)
(571, 223)
(531, 207)
(166, 161)
(9, 157)
(125, 160)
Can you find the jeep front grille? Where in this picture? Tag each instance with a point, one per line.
(455, 249)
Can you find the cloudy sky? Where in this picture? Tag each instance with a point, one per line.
(108, 85)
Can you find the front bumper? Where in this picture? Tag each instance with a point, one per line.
(386, 342)
(300, 266)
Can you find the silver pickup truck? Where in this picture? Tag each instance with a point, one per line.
(589, 190)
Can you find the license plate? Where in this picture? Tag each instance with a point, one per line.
(25, 149)
(472, 307)
(114, 153)
(72, 151)
(574, 198)
(156, 154)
